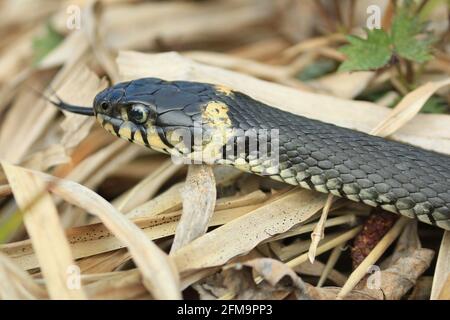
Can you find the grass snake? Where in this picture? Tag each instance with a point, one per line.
(160, 114)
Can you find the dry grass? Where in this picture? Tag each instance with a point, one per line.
(84, 215)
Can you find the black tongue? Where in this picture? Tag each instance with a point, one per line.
(86, 111)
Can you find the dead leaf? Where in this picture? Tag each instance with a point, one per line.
(199, 200)
(46, 232)
(394, 282)
(159, 273)
(408, 108)
(442, 267)
(16, 283)
(242, 234)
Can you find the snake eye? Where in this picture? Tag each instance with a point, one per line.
(104, 105)
(138, 113)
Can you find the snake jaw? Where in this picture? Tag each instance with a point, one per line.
(147, 134)
(112, 125)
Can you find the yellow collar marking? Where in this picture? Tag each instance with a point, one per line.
(223, 89)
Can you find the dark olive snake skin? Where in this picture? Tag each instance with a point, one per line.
(397, 177)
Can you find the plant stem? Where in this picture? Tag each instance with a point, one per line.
(351, 14)
(401, 76)
(409, 73)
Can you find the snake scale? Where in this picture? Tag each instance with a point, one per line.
(397, 177)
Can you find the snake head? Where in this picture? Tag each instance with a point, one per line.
(159, 114)
(169, 116)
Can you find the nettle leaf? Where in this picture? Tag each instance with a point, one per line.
(367, 54)
(408, 38)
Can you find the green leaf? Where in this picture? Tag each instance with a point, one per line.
(367, 54)
(10, 225)
(317, 69)
(45, 44)
(408, 38)
(435, 104)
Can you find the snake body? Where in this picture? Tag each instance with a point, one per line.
(397, 177)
